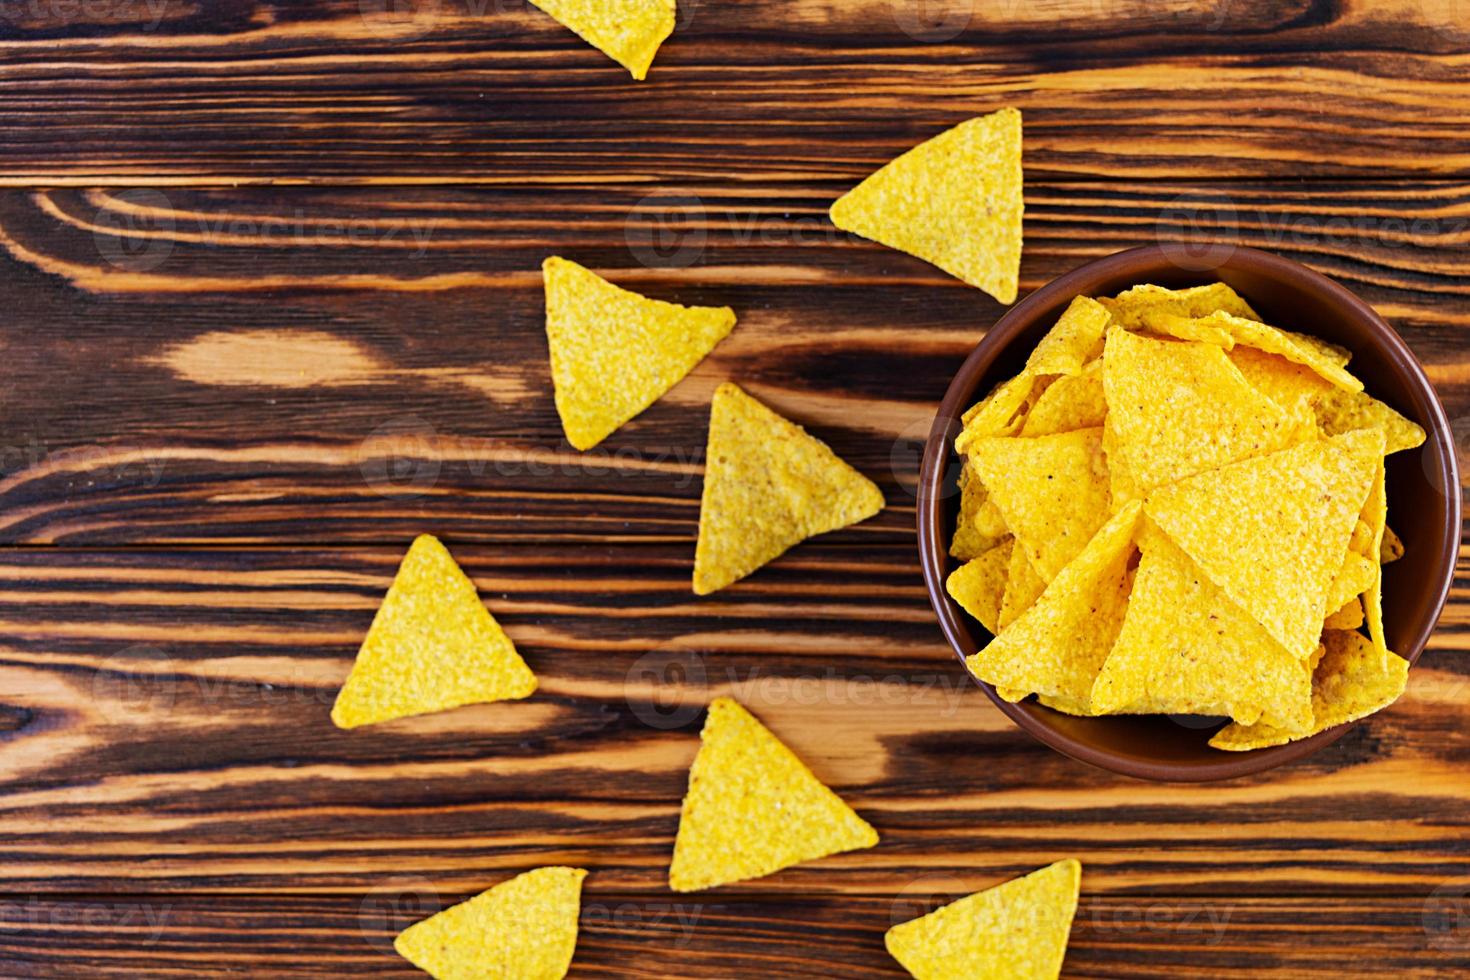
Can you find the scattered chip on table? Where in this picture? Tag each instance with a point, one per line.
(432, 646)
(768, 485)
(953, 200)
(1015, 931)
(524, 928)
(614, 352)
(754, 808)
(627, 31)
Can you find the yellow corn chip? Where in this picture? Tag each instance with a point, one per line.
(1349, 617)
(432, 646)
(1355, 577)
(997, 413)
(1178, 409)
(627, 31)
(1272, 531)
(1188, 328)
(613, 352)
(1069, 403)
(1375, 512)
(524, 928)
(1014, 931)
(1186, 648)
(1072, 342)
(975, 531)
(1294, 347)
(1131, 307)
(978, 585)
(1023, 587)
(1058, 646)
(989, 521)
(1120, 475)
(954, 201)
(768, 485)
(753, 808)
(1353, 680)
(1336, 409)
(1054, 491)
(1393, 547)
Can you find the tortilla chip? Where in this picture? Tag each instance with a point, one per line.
(1355, 577)
(1393, 547)
(1054, 491)
(979, 585)
(1186, 648)
(1375, 513)
(1349, 617)
(1178, 409)
(525, 928)
(1189, 328)
(1072, 342)
(1272, 531)
(432, 646)
(1294, 347)
(1353, 680)
(768, 485)
(1336, 410)
(1000, 413)
(1069, 403)
(975, 532)
(613, 352)
(753, 808)
(954, 201)
(1131, 308)
(1121, 483)
(1058, 645)
(990, 521)
(1023, 587)
(627, 31)
(1015, 930)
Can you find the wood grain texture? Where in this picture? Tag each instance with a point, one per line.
(492, 90)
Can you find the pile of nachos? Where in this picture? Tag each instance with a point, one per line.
(1177, 508)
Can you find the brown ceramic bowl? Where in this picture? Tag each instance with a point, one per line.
(1423, 490)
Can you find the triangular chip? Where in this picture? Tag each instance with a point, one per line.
(1355, 577)
(1296, 348)
(1349, 617)
(975, 532)
(1014, 931)
(1058, 645)
(1187, 649)
(1272, 531)
(768, 485)
(979, 585)
(524, 928)
(1180, 408)
(613, 352)
(1353, 680)
(1392, 548)
(627, 31)
(1075, 340)
(1023, 587)
(754, 808)
(1131, 308)
(1375, 513)
(954, 200)
(1054, 491)
(432, 646)
(1069, 403)
(998, 413)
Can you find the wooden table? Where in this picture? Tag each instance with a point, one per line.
(272, 306)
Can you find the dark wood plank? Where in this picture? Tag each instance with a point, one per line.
(341, 365)
(469, 90)
(166, 729)
(721, 936)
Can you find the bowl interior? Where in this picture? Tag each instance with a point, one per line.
(1423, 491)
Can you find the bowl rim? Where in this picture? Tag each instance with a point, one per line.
(930, 498)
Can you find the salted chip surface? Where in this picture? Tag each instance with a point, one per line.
(954, 201)
(1355, 577)
(1272, 531)
(1054, 491)
(1353, 680)
(754, 808)
(524, 928)
(768, 484)
(1075, 340)
(1337, 410)
(980, 584)
(627, 31)
(1023, 587)
(1178, 409)
(1349, 617)
(1014, 931)
(1294, 347)
(1131, 308)
(432, 646)
(614, 352)
(1000, 413)
(975, 532)
(1058, 646)
(1069, 403)
(1187, 648)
